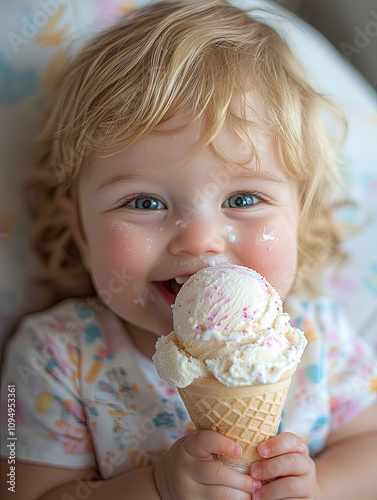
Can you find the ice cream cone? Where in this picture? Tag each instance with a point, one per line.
(247, 414)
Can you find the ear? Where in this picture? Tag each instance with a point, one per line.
(71, 215)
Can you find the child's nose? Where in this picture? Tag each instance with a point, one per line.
(198, 236)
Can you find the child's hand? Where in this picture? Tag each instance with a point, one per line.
(287, 471)
(188, 471)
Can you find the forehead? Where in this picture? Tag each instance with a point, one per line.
(233, 137)
(173, 153)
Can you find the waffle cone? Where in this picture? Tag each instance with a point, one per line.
(247, 414)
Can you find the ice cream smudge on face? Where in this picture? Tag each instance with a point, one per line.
(229, 324)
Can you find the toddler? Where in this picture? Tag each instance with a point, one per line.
(184, 136)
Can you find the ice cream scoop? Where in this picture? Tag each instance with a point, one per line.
(229, 324)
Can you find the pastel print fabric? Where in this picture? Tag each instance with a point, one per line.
(86, 395)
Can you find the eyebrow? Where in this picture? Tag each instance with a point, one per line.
(119, 179)
(262, 176)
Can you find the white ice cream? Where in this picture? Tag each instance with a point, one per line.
(229, 324)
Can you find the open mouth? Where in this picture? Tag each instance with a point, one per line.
(175, 284)
(169, 289)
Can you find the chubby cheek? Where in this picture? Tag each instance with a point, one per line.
(271, 249)
(120, 251)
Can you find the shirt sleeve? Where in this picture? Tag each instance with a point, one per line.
(41, 368)
(351, 365)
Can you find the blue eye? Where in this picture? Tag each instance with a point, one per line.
(241, 200)
(146, 203)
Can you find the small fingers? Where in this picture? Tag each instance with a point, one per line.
(287, 442)
(214, 473)
(203, 444)
(291, 464)
(285, 488)
(224, 493)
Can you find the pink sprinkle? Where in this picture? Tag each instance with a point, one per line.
(247, 314)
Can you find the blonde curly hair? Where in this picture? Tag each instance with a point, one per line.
(190, 57)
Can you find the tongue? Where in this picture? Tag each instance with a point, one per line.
(172, 286)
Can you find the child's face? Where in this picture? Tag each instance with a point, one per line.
(154, 213)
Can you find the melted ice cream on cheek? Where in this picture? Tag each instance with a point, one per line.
(128, 233)
(150, 238)
(231, 234)
(267, 236)
(181, 224)
(143, 295)
(124, 232)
